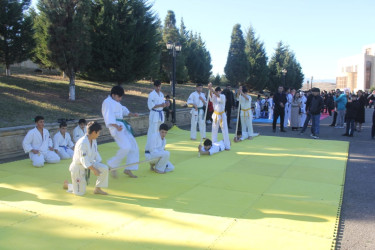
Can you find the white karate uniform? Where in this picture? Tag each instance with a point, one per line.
(34, 140)
(78, 133)
(86, 155)
(270, 108)
(63, 145)
(288, 110)
(112, 112)
(155, 148)
(219, 118)
(257, 109)
(156, 117)
(216, 147)
(246, 117)
(197, 116)
(303, 109)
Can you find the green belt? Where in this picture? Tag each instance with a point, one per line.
(127, 126)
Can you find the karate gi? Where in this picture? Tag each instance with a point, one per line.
(246, 117)
(113, 113)
(270, 108)
(155, 148)
(216, 147)
(156, 117)
(219, 118)
(78, 133)
(86, 155)
(34, 140)
(197, 116)
(303, 111)
(288, 110)
(257, 109)
(63, 145)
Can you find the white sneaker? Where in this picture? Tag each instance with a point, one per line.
(316, 137)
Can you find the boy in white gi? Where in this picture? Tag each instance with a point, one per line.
(155, 149)
(113, 113)
(246, 114)
(86, 157)
(270, 107)
(219, 117)
(38, 144)
(80, 130)
(198, 101)
(210, 148)
(62, 142)
(155, 104)
(288, 108)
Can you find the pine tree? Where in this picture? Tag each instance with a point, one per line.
(276, 66)
(16, 32)
(236, 68)
(257, 58)
(69, 38)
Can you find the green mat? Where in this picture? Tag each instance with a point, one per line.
(267, 193)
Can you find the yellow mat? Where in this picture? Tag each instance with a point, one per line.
(267, 193)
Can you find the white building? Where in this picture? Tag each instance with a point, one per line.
(357, 72)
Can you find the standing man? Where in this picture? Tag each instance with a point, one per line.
(270, 107)
(219, 117)
(198, 101)
(288, 107)
(155, 104)
(341, 101)
(38, 144)
(230, 102)
(245, 114)
(279, 101)
(113, 114)
(314, 109)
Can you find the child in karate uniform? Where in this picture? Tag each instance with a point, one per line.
(62, 142)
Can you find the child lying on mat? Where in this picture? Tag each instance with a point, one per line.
(210, 148)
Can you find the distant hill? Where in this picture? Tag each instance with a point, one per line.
(321, 85)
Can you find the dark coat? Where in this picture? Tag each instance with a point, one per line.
(352, 109)
(277, 98)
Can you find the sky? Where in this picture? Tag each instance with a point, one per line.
(319, 32)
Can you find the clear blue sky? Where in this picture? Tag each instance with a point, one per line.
(318, 31)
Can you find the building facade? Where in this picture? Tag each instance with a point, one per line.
(357, 72)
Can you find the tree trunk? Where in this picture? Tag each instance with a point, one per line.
(7, 70)
(72, 87)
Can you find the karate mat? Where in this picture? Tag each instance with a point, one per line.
(266, 193)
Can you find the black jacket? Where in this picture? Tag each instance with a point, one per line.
(352, 109)
(316, 104)
(277, 98)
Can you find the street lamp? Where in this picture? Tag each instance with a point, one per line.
(175, 48)
(284, 71)
(311, 81)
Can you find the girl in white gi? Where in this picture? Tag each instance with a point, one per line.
(219, 117)
(270, 107)
(198, 101)
(113, 113)
(62, 142)
(38, 144)
(80, 130)
(155, 104)
(210, 148)
(86, 157)
(155, 149)
(246, 114)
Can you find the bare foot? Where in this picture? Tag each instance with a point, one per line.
(65, 185)
(152, 166)
(128, 172)
(227, 149)
(250, 138)
(159, 172)
(98, 190)
(113, 173)
(236, 139)
(193, 139)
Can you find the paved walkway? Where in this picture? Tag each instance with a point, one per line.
(357, 224)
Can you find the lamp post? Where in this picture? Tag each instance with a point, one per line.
(284, 71)
(175, 48)
(311, 81)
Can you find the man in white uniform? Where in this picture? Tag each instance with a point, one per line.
(80, 130)
(303, 109)
(270, 107)
(155, 149)
(198, 101)
(219, 117)
(155, 104)
(288, 108)
(38, 144)
(86, 157)
(62, 142)
(210, 148)
(113, 113)
(246, 114)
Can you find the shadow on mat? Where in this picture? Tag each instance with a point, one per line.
(16, 195)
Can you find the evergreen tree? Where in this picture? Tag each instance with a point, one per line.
(257, 58)
(236, 68)
(69, 38)
(16, 32)
(126, 41)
